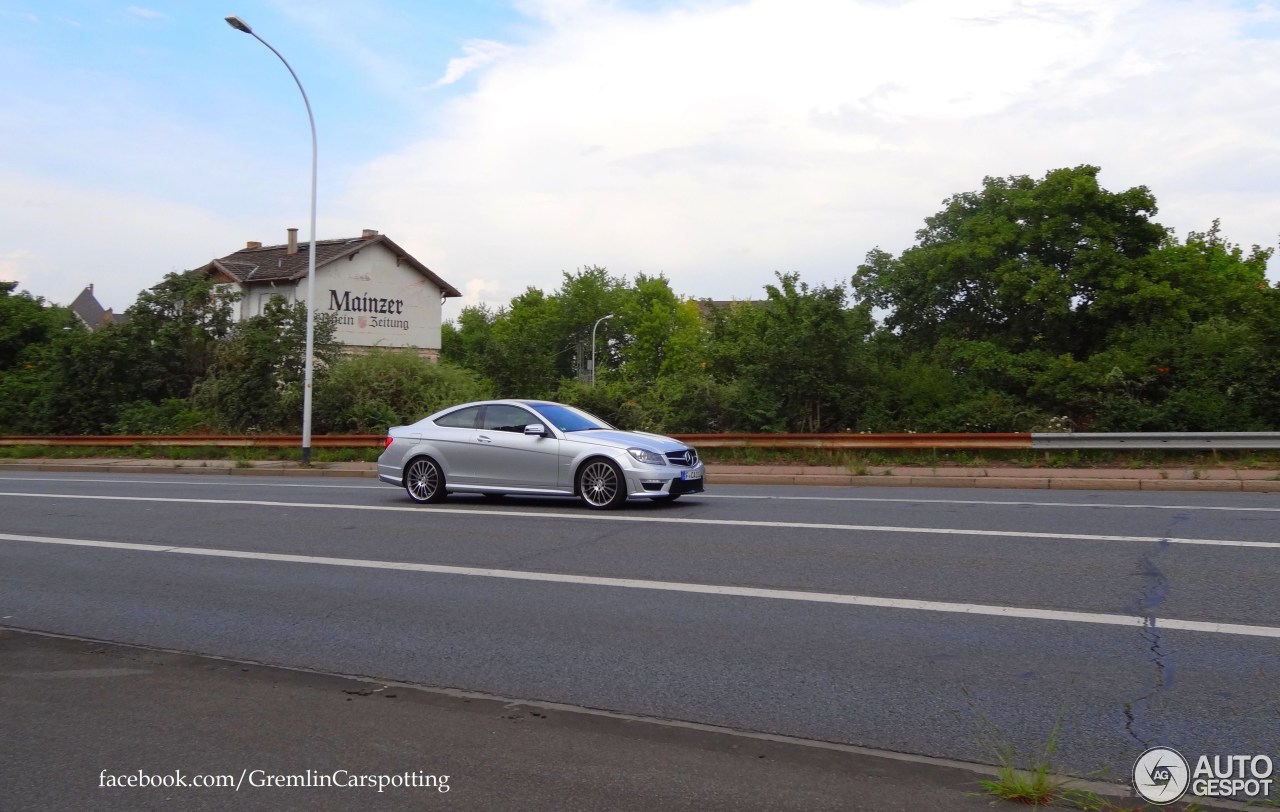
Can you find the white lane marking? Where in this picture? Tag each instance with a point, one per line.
(614, 517)
(1018, 503)
(257, 483)
(677, 586)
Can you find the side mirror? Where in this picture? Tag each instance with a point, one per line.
(535, 430)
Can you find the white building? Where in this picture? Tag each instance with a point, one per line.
(379, 294)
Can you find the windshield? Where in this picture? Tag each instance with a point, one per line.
(568, 419)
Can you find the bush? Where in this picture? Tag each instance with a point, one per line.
(170, 416)
(367, 393)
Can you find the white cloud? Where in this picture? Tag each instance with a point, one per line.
(16, 266)
(477, 54)
(474, 291)
(60, 238)
(720, 143)
(146, 13)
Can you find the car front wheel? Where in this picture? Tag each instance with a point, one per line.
(424, 481)
(601, 485)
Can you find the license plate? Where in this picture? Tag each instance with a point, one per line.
(687, 475)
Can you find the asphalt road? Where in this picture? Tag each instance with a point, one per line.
(935, 621)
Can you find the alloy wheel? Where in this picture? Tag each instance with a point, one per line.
(422, 481)
(601, 485)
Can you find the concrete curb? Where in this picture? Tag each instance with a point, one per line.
(1226, 480)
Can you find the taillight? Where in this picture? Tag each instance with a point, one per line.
(387, 444)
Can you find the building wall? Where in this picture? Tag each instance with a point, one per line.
(377, 303)
(256, 298)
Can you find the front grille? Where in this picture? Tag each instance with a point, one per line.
(688, 458)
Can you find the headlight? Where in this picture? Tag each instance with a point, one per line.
(647, 457)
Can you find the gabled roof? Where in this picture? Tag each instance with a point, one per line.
(87, 308)
(274, 263)
(93, 315)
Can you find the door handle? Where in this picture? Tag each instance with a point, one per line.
(484, 438)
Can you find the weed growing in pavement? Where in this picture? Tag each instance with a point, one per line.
(1035, 784)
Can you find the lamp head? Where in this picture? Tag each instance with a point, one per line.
(239, 24)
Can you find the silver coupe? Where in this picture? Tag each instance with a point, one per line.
(535, 447)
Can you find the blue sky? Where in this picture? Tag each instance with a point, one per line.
(506, 142)
(128, 97)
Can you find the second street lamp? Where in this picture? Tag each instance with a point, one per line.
(593, 346)
(309, 364)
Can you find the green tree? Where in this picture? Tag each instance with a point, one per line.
(796, 361)
(130, 377)
(173, 331)
(528, 347)
(256, 380)
(26, 321)
(657, 332)
(470, 342)
(1049, 265)
(530, 352)
(29, 330)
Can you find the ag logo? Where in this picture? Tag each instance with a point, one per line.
(1161, 775)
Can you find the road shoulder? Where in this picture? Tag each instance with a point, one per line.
(78, 710)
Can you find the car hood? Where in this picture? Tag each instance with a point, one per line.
(626, 439)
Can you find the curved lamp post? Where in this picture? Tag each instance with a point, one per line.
(240, 25)
(593, 346)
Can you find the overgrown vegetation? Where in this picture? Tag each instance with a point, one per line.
(1027, 305)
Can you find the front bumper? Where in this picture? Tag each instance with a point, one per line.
(668, 481)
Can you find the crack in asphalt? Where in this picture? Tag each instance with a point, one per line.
(1155, 592)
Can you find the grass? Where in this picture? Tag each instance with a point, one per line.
(1034, 788)
(242, 456)
(1034, 785)
(861, 461)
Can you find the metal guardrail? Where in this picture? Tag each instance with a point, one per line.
(857, 441)
(1189, 441)
(1173, 441)
(200, 440)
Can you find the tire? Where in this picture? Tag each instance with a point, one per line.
(601, 484)
(424, 481)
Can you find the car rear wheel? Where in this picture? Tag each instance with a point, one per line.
(601, 485)
(424, 481)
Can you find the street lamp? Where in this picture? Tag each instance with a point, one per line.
(593, 346)
(240, 25)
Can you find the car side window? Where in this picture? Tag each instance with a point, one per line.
(461, 419)
(503, 417)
